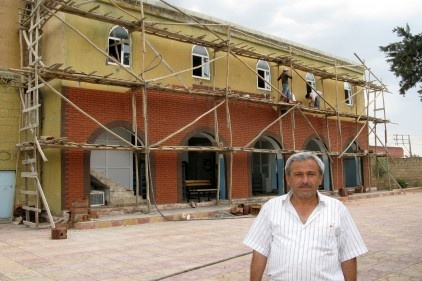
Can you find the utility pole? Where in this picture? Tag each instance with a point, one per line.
(405, 141)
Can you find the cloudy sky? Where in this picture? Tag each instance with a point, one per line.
(341, 28)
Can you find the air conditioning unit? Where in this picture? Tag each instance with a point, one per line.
(97, 198)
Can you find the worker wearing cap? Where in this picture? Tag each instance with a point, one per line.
(284, 77)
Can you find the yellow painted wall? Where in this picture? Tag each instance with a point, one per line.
(54, 47)
(9, 96)
(51, 126)
(9, 34)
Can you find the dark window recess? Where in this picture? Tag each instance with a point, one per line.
(261, 82)
(197, 61)
(115, 49)
(308, 88)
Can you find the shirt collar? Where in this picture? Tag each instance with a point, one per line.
(321, 198)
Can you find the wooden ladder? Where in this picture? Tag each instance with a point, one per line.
(29, 127)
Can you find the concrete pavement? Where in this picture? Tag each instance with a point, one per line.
(204, 249)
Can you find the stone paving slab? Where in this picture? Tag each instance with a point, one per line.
(204, 249)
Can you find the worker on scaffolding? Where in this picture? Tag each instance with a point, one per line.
(284, 77)
(314, 96)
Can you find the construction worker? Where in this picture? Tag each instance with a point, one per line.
(284, 77)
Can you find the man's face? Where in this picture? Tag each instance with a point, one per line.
(304, 178)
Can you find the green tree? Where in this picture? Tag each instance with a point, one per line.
(405, 59)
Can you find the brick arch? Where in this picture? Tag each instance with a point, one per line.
(94, 136)
(327, 182)
(199, 130)
(273, 136)
(313, 137)
(184, 142)
(111, 125)
(350, 140)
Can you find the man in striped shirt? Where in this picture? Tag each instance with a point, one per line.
(304, 235)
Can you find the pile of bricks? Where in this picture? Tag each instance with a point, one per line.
(245, 209)
(79, 212)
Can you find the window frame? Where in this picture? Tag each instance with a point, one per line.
(348, 94)
(205, 71)
(123, 47)
(310, 83)
(265, 72)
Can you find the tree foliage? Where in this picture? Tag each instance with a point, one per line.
(405, 59)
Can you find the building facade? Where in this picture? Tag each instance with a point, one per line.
(138, 98)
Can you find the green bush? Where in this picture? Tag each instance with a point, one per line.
(402, 183)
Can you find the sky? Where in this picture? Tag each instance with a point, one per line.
(341, 28)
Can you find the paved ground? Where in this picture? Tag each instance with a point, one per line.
(203, 249)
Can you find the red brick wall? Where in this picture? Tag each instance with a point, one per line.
(393, 151)
(168, 112)
(166, 182)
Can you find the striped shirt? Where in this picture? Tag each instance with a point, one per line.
(310, 251)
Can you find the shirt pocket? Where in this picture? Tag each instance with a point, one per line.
(325, 238)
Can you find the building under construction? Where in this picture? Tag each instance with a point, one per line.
(126, 101)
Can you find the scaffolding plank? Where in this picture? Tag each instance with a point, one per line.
(29, 174)
(30, 224)
(32, 108)
(29, 161)
(32, 209)
(29, 192)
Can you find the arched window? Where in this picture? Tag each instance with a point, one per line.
(118, 45)
(310, 82)
(348, 93)
(200, 59)
(263, 70)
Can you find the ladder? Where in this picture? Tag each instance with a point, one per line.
(31, 20)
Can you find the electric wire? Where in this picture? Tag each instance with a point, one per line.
(202, 266)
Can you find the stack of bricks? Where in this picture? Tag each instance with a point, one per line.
(59, 232)
(79, 211)
(255, 208)
(241, 209)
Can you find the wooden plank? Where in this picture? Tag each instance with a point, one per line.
(29, 161)
(28, 109)
(27, 148)
(29, 174)
(35, 88)
(28, 192)
(31, 126)
(40, 151)
(203, 189)
(198, 183)
(30, 224)
(27, 208)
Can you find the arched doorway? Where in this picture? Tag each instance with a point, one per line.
(317, 145)
(267, 168)
(353, 167)
(204, 165)
(114, 171)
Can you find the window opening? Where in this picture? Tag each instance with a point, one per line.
(310, 83)
(263, 70)
(348, 93)
(118, 45)
(200, 57)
